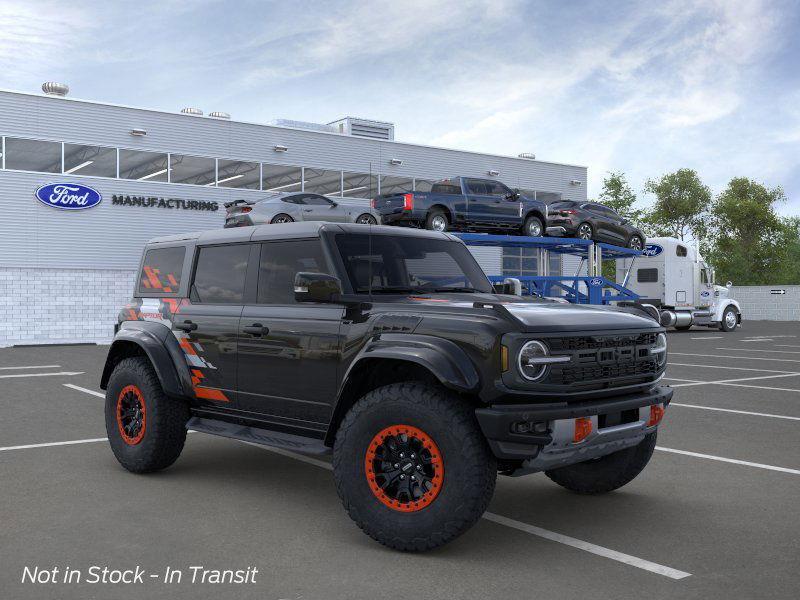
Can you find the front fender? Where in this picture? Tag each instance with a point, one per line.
(720, 308)
(163, 350)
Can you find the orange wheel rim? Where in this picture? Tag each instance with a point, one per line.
(404, 468)
(131, 415)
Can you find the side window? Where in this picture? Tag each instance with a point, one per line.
(446, 187)
(476, 186)
(294, 199)
(280, 262)
(647, 275)
(219, 275)
(161, 270)
(681, 250)
(704, 276)
(495, 188)
(315, 200)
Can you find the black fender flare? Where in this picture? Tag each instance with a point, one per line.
(443, 358)
(163, 351)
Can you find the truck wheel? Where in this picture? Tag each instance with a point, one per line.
(412, 467)
(729, 320)
(533, 227)
(436, 220)
(146, 429)
(606, 473)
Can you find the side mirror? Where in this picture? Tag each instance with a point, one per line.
(512, 195)
(316, 287)
(729, 285)
(334, 204)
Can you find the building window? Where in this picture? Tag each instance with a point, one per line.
(33, 155)
(237, 174)
(96, 161)
(143, 166)
(423, 185)
(322, 181)
(396, 185)
(280, 178)
(360, 185)
(194, 170)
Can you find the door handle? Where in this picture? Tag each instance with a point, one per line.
(186, 326)
(256, 329)
(308, 209)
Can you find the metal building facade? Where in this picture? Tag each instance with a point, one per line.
(73, 258)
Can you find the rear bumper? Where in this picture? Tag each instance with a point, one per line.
(238, 221)
(617, 423)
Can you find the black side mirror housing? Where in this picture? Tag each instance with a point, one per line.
(316, 287)
(334, 204)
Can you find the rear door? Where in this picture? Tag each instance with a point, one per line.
(289, 352)
(207, 326)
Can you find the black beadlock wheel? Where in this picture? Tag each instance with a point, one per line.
(606, 473)
(412, 467)
(146, 430)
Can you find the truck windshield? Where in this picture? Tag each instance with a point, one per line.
(385, 264)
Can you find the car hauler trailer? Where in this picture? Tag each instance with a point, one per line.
(672, 276)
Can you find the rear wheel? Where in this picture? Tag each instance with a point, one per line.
(412, 467)
(533, 227)
(635, 243)
(436, 220)
(282, 218)
(729, 320)
(367, 219)
(146, 429)
(606, 473)
(584, 231)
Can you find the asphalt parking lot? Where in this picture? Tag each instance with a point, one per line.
(713, 516)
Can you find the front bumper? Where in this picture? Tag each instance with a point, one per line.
(617, 423)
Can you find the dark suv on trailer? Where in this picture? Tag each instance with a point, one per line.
(593, 221)
(389, 349)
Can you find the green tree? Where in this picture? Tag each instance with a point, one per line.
(750, 243)
(681, 205)
(618, 195)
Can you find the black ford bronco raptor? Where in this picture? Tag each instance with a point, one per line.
(390, 349)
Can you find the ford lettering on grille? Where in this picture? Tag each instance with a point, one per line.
(68, 196)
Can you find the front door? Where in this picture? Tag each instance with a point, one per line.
(487, 205)
(289, 352)
(207, 326)
(319, 208)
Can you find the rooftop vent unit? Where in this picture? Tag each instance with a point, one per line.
(192, 111)
(527, 155)
(303, 125)
(376, 130)
(51, 88)
(219, 115)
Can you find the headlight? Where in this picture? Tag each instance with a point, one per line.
(534, 358)
(660, 349)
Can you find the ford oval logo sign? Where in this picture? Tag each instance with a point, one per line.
(652, 250)
(705, 294)
(68, 196)
(596, 281)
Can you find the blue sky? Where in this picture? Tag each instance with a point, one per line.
(641, 87)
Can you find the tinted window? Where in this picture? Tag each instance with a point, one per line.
(315, 200)
(476, 186)
(90, 160)
(446, 187)
(161, 270)
(408, 264)
(495, 188)
(647, 275)
(33, 155)
(562, 204)
(681, 251)
(144, 166)
(219, 275)
(197, 170)
(237, 174)
(280, 262)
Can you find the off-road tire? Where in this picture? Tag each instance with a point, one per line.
(165, 421)
(281, 218)
(530, 223)
(607, 473)
(469, 468)
(430, 220)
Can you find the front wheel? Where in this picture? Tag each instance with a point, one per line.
(606, 473)
(412, 467)
(729, 320)
(146, 429)
(584, 231)
(533, 227)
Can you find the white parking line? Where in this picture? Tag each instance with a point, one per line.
(531, 529)
(31, 367)
(792, 360)
(15, 375)
(671, 364)
(730, 460)
(787, 346)
(761, 387)
(50, 444)
(82, 389)
(759, 350)
(708, 337)
(730, 381)
(738, 412)
(758, 340)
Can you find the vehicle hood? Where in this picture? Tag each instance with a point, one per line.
(544, 315)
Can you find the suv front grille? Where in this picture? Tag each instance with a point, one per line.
(596, 342)
(570, 375)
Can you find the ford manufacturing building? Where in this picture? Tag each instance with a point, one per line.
(65, 273)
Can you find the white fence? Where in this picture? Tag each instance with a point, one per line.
(768, 302)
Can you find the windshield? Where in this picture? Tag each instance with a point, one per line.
(405, 264)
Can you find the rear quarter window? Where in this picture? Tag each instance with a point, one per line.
(161, 271)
